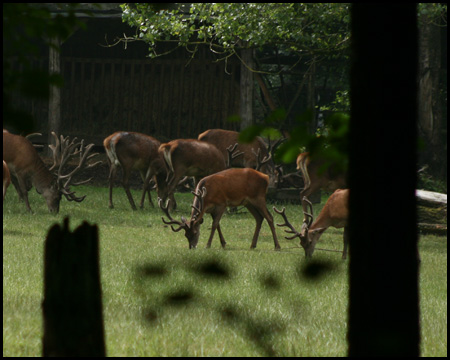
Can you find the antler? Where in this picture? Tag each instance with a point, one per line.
(70, 195)
(58, 148)
(309, 215)
(181, 224)
(272, 147)
(231, 154)
(199, 194)
(259, 162)
(29, 136)
(62, 151)
(287, 224)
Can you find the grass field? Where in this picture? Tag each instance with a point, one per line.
(162, 299)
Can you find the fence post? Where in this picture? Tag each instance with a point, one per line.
(72, 305)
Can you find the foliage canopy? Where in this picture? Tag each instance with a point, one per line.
(295, 28)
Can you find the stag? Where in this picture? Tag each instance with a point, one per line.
(334, 213)
(316, 177)
(189, 157)
(254, 154)
(214, 193)
(6, 179)
(27, 168)
(136, 151)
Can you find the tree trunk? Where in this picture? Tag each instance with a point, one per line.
(431, 122)
(246, 88)
(383, 301)
(311, 96)
(54, 101)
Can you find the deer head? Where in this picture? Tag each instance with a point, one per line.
(308, 237)
(191, 227)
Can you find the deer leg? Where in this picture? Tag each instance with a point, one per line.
(222, 239)
(112, 175)
(23, 193)
(259, 219)
(173, 202)
(268, 216)
(344, 254)
(126, 186)
(149, 188)
(171, 186)
(216, 216)
(146, 189)
(17, 187)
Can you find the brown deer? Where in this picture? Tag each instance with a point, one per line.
(254, 153)
(214, 193)
(317, 176)
(136, 151)
(334, 213)
(6, 179)
(189, 157)
(27, 168)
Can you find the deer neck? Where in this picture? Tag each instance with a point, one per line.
(42, 178)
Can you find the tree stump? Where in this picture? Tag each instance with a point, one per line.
(72, 305)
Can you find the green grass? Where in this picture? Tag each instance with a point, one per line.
(162, 299)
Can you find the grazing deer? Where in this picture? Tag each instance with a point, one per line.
(6, 179)
(252, 152)
(334, 213)
(28, 169)
(231, 187)
(135, 151)
(316, 177)
(189, 157)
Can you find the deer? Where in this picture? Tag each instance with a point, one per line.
(315, 177)
(6, 179)
(190, 157)
(214, 193)
(334, 213)
(254, 154)
(136, 151)
(27, 168)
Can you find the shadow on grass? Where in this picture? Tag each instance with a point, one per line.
(259, 330)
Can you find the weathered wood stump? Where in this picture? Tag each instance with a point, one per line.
(72, 305)
(432, 212)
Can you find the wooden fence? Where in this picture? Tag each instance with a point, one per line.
(164, 98)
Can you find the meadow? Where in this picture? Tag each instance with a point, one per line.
(162, 299)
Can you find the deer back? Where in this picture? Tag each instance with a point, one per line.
(131, 149)
(335, 211)
(222, 139)
(234, 187)
(191, 157)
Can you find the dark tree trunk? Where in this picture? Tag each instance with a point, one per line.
(430, 115)
(54, 101)
(383, 307)
(246, 107)
(72, 306)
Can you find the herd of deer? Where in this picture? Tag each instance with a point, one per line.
(227, 174)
